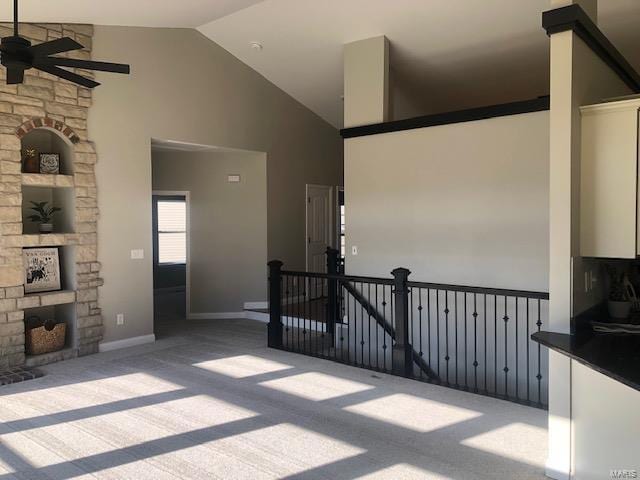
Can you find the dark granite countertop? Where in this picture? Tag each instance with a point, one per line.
(614, 355)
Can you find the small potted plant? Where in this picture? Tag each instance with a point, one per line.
(44, 215)
(619, 304)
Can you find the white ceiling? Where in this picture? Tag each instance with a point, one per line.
(144, 13)
(445, 54)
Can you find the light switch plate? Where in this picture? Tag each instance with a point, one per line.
(120, 319)
(137, 254)
(233, 178)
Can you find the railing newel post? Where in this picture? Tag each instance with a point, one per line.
(402, 352)
(275, 304)
(333, 257)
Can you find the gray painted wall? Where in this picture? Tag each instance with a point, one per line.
(184, 87)
(228, 224)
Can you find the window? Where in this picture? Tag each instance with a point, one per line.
(172, 231)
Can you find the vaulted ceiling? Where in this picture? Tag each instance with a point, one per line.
(446, 54)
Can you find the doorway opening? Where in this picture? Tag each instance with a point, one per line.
(210, 233)
(170, 255)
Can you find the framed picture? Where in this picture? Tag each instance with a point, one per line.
(50, 163)
(41, 270)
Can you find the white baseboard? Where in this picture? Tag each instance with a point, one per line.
(256, 305)
(258, 316)
(126, 343)
(247, 315)
(555, 474)
(215, 316)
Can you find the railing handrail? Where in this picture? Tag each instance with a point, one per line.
(500, 292)
(337, 276)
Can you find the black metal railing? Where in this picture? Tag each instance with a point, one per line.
(469, 338)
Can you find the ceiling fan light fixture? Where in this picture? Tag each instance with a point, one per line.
(18, 55)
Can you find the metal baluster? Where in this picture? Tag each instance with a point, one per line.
(517, 359)
(411, 329)
(369, 329)
(466, 343)
(305, 307)
(486, 390)
(318, 315)
(377, 333)
(528, 359)
(347, 295)
(446, 333)
(438, 327)
(393, 323)
(495, 344)
(289, 332)
(420, 325)
(539, 376)
(384, 333)
(429, 323)
(362, 327)
(342, 313)
(475, 342)
(455, 296)
(506, 350)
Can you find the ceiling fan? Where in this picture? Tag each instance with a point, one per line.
(17, 55)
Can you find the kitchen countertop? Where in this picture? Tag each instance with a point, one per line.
(614, 355)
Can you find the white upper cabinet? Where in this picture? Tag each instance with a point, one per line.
(609, 180)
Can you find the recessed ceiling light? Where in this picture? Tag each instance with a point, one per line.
(257, 46)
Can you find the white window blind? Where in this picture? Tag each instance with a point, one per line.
(172, 231)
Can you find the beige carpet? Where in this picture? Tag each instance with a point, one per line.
(210, 401)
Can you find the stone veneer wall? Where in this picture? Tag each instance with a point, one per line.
(44, 101)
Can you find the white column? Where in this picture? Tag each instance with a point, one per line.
(366, 82)
(564, 177)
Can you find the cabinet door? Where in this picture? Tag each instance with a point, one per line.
(608, 183)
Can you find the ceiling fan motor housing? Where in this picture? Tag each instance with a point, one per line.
(15, 53)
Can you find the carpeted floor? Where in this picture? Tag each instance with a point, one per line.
(209, 400)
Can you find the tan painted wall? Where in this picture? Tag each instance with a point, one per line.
(464, 204)
(228, 224)
(366, 82)
(183, 87)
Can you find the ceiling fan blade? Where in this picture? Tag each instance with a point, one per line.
(60, 45)
(87, 64)
(62, 73)
(15, 76)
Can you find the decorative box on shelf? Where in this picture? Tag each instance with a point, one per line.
(44, 337)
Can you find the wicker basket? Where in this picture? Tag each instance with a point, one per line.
(46, 338)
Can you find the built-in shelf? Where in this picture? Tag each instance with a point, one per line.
(47, 140)
(50, 181)
(63, 198)
(57, 190)
(62, 313)
(49, 239)
(59, 297)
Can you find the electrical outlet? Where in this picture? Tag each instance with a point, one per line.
(120, 319)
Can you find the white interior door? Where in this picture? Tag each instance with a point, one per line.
(319, 226)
